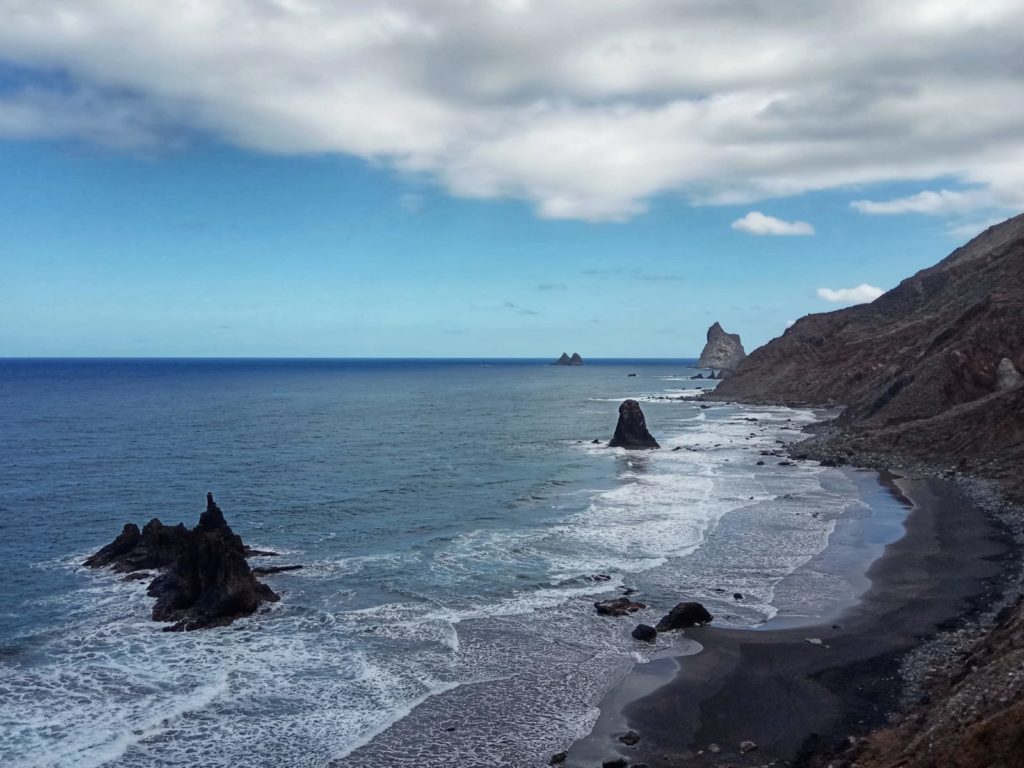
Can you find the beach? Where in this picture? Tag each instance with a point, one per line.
(796, 694)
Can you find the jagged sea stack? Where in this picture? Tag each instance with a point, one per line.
(723, 350)
(566, 360)
(205, 580)
(631, 431)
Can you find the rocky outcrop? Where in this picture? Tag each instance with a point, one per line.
(621, 606)
(684, 615)
(723, 350)
(205, 580)
(567, 360)
(631, 431)
(645, 633)
(920, 370)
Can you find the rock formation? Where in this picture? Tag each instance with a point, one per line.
(621, 606)
(205, 580)
(684, 615)
(921, 369)
(566, 360)
(645, 632)
(723, 350)
(631, 431)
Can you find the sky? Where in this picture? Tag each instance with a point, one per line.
(499, 178)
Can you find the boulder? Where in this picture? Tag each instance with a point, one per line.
(575, 359)
(684, 615)
(204, 579)
(630, 738)
(645, 632)
(1007, 375)
(631, 430)
(723, 350)
(563, 360)
(621, 606)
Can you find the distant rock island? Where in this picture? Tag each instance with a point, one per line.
(204, 579)
(566, 360)
(723, 350)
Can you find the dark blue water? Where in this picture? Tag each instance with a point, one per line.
(450, 515)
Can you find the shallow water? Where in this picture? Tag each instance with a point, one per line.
(451, 516)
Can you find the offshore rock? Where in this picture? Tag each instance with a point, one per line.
(723, 350)
(566, 360)
(645, 632)
(621, 606)
(683, 616)
(205, 580)
(631, 431)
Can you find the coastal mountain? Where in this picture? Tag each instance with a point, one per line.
(930, 369)
(722, 350)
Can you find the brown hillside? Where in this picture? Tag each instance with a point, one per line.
(918, 367)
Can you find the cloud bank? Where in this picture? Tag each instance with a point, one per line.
(586, 109)
(862, 294)
(756, 223)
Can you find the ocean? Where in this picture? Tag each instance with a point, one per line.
(455, 521)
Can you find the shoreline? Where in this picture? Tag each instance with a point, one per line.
(794, 698)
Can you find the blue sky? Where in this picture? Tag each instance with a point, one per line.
(137, 218)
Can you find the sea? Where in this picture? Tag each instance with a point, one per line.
(456, 520)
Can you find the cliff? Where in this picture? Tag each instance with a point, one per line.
(930, 369)
(722, 350)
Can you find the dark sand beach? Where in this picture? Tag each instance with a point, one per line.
(799, 692)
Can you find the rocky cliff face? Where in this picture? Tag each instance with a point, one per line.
(723, 350)
(929, 369)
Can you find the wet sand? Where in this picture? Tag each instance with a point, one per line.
(791, 697)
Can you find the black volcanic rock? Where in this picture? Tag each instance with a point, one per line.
(631, 431)
(126, 541)
(684, 615)
(645, 632)
(723, 350)
(621, 606)
(205, 580)
(566, 360)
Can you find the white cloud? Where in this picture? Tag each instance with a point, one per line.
(411, 202)
(933, 203)
(756, 223)
(586, 109)
(862, 294)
